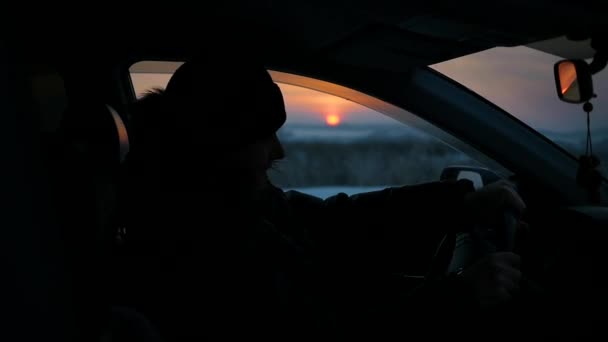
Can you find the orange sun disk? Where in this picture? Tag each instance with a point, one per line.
(332, 120)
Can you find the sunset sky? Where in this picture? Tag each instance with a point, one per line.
(520, 80)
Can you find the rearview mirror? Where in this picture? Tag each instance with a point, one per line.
(573, 81)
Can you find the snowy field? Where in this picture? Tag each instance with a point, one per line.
(328, 191)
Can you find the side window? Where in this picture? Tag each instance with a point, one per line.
(147, 75)
(334, 145)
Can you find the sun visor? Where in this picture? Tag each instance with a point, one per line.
(565, 48)
(397, 50)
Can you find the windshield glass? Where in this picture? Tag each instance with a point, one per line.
(520, 80)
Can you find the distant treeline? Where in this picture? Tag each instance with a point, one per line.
(600, 149)
(368, 163)
(372, 163)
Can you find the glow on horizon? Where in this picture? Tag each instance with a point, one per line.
(332, 120)
(310, 106)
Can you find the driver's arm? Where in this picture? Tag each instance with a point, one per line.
(392, 225)
(366, 237)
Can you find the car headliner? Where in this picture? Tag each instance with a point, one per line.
(380, 34)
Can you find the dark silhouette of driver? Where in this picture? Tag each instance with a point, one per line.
(216, 252)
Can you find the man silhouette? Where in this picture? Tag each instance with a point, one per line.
(215, 248)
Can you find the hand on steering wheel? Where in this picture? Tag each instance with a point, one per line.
(486, 263)
(487, 204)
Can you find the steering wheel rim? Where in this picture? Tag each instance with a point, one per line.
(480, 241)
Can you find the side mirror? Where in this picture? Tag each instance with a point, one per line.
(478, 175)
(573, 81)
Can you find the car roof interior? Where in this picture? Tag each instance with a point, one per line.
(416, 33)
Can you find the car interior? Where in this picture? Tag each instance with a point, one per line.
(67, 94)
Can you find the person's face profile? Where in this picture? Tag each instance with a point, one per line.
(252, 161)
(276, 149)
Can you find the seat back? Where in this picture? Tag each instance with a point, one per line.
(94, 143)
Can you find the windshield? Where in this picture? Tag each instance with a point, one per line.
(520, 80)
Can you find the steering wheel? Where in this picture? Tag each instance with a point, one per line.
(457, 251)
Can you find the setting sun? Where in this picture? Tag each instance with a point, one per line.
(332, 120)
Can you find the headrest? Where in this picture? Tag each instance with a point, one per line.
(97, 133)
(123, 135)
